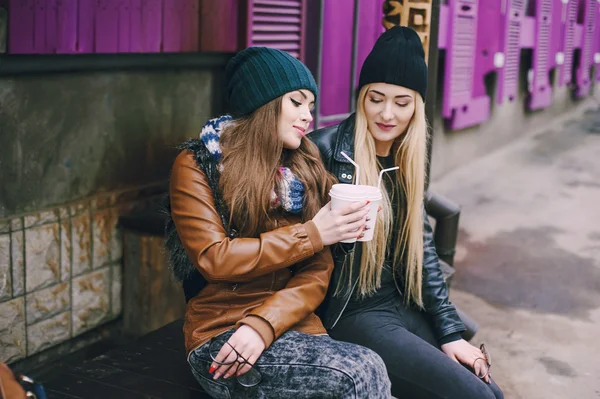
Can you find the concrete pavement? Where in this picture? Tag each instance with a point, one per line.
(528, 259)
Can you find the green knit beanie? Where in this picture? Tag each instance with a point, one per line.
(257, 75)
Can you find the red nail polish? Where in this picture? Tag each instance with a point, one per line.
(211, 369)
(368, 202)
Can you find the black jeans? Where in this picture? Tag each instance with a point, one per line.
(415, 363)
(302, 366)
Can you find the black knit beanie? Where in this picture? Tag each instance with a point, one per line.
(258, 75)
(397, 58)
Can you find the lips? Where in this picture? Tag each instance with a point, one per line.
(300, 130)
(384, 127)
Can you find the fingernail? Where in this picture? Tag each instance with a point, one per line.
(368, 202)
(367, 227)
(368, 219)
(216, 377)
(211, 369)
(361, 236)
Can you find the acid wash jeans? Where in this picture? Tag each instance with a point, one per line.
(302, 366)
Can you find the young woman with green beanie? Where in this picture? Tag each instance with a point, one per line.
(247, 237)
(388, 294)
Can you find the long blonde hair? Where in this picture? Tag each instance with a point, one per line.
(410, 153)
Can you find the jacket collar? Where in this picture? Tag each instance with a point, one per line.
(345, 140)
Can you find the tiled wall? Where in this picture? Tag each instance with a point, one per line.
(60, 274)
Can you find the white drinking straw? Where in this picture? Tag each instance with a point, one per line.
(381, 175)
(357, 171)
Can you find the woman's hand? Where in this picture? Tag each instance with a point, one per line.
(248, 343)
(465, 353)
(341, 224)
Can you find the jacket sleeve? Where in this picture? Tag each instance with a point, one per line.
(301, 296)
(435, 291)
(218, 257)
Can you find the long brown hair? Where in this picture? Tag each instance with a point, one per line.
(252, 154)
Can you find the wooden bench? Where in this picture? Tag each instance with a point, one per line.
(154, 366)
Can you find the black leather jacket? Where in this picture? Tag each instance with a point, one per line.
(331, 141)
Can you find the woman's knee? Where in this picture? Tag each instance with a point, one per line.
(366, 373)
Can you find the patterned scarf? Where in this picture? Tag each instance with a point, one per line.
(288, 192)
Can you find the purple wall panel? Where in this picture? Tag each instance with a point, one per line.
(569, 43)
(556, 42)
(124, 37)
(189, 25)
(39, 27)
(460, 106)
(151, 26)
(85, 28)
(51, 26)
(66, 17)
(597, 47)
(337, 58)
(135, 26)
(488, 45)
(21, 17)
(586, 54)
(540, 89)
(107, 26)
(172, 18)
(370, 28)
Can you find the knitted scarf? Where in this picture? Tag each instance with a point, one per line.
(288, 192)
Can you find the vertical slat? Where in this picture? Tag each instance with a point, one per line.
(597, 51)
(107, 26)
(509, 74)
(569, 41)
(151, 25)
(51, 26)
(21, 35)
(39, 35)
(370, 28)
(67, 26)
(587, 49)
(172, 19)
(124, 40)
(135, 26)
(189, 25)
(337, 59)
(219, 25)
(85, 36)
(540, 90)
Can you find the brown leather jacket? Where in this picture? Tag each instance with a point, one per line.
(273, 283)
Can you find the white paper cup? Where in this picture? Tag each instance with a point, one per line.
(343, 195)
(373, 195)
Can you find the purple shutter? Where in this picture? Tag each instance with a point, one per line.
(569, 41)
(540, 90)
(597, 45)
(278, 24)
(508, 76)
(587, 49)
(459, 106)
(107, 26)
